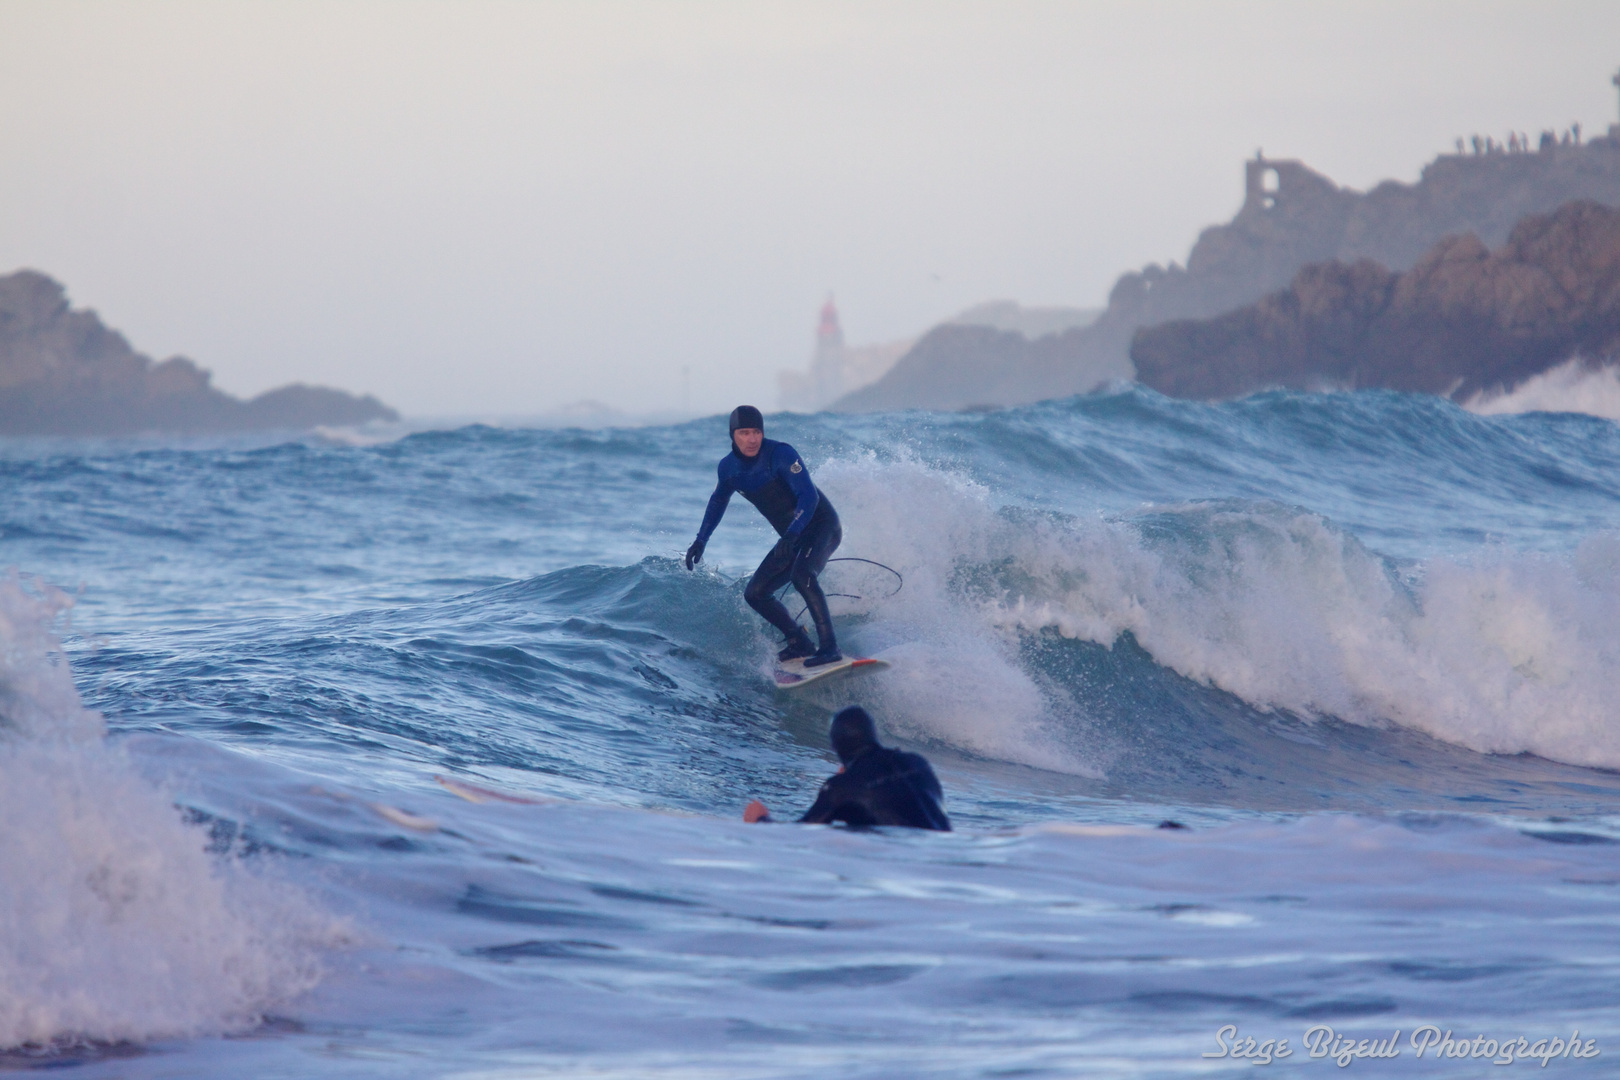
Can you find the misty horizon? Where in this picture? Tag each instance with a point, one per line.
(506, 210)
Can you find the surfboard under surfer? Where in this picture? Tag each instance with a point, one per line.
(773, 477)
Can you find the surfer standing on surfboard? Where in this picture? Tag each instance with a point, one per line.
(772, 476)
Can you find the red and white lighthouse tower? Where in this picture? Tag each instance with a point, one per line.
(827, 365)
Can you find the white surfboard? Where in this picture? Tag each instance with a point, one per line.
(792, 674)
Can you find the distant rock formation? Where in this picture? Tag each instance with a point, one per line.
(1291, 217)
(1032, 322)
(982, 356)
(957, 366)
(1463, 321)
(841, 372)
(64, 373)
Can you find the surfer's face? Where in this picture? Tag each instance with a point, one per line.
(748, 440)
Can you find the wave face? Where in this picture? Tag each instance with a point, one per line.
(1114, 609)
(1084, 583)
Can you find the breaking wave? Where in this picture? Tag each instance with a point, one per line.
(1502, 652)
(115, 922)
(1574, 386)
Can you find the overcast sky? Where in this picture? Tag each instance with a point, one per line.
(493, 208)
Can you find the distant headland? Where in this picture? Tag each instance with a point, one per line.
(1291, 218)
(838, 370)
(62, 372)
(1463, 322)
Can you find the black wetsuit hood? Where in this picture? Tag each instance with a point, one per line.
(853, 733)
(746, 416)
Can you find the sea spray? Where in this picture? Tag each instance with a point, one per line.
(1500, 652)
(37, 699)
(954, 679)
(1575, 386)
(115, 924)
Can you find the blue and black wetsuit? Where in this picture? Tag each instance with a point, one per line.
(776, 481)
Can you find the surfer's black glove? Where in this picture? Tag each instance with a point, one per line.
(694, 554)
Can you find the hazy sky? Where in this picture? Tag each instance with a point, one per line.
(505, 207)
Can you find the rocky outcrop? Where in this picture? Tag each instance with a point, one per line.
(1032, 322)
(955, 367)
(64, 373)
(1463, 320)
(951, 367)
(1291, 217)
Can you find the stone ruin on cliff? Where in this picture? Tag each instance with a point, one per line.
(1291, 217)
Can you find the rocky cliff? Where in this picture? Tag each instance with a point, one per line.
(954, 366)
(1463, 320)
(1291, 217)
(64, 373)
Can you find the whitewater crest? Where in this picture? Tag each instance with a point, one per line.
(926, 523)
(115, 923)
(37, 699)
(1575, 386)
(1505, 652)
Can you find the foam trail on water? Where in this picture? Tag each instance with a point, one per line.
(1505, 653)
(115, 924)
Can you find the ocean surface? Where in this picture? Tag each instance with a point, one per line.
(1365, 647)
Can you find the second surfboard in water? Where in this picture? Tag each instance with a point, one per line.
(792, 674)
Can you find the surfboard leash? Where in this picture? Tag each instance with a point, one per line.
(900, 580)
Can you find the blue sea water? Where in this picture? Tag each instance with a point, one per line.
(1365, 646)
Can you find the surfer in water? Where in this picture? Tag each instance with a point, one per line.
(772, 476)
(876, 785)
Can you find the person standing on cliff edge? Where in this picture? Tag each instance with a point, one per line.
(772, 476)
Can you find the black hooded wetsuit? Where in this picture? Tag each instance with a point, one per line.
(878, 785)
(776, 481)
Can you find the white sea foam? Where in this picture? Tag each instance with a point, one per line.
(926, 524)
(1504, 653)
(37, 698)
(115, 924)
(1573, 386)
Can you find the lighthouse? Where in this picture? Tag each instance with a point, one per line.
(835, 368)
(1614, 129)
(827, 363)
